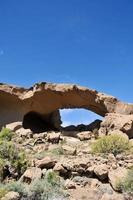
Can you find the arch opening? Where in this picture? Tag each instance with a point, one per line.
(37, 123)
(79, 120)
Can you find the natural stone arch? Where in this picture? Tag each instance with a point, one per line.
(46, 99)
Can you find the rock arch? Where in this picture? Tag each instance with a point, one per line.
(46, 99)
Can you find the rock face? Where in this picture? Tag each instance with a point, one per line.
(119, 122)
(41, 104)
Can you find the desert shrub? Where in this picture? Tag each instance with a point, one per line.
(49, 188)
(11, 155)
(3, 192)
(127, 183)
(6, 134)
(20, 163)
(114, 143)
(2, 164)
(7, 150)
(17, 186)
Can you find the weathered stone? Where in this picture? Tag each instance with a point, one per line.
(46, 162)
(40, 135)
(101, 171)
(60, 169)
(11, 196)
(53, 137)
(45, 99)
(114, 196)
(70, 184)
(24, 133)
(117, 122)
(81, 180)
(85, 135)
(31, 174)
(68, 150)
(71, 141)
(14, 126)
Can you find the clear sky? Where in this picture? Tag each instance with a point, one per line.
(88, 42)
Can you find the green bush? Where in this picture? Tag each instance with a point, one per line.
(6, 134)
(114, 143)
(3, 192)
(17, 186)
(127, 183)
(49, 188)
(10, 154)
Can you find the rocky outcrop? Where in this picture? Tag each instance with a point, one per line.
(41, 104)
(117, 122)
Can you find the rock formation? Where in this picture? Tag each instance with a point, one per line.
(41, 104)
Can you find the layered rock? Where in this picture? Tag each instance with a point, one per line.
(41, 104)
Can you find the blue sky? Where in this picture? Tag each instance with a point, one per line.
(74, 41)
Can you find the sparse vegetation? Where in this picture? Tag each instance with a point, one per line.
(57, 151)
(6, 134)
(10, 154)
(49, 188)
(127, 183)
(114, 143)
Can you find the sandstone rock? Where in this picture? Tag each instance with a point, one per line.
(14, 126)
(46, 99)
(111, 158)
(60, 169)
(24, 133)
(70, 184)
(40, 135)
(114, 196)
(11, 196)
(101, 171)
(86, 135)
(95, 183)
(81, 180)
(53, 137)
(114, 121)
(71, 141)
(31, 174)
(116, 176)
(46, 162)
(68, 150)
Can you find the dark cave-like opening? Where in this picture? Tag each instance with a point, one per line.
(37, 123)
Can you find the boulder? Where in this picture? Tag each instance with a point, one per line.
(53, 137)
(115, 121)
(85, 135)
(59, 168)
(68, 150)
(101, 171)
(31, 174)
(69, 184)
(24, 133)
(46, 162)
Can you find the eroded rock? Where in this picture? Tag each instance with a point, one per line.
(45, 99)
